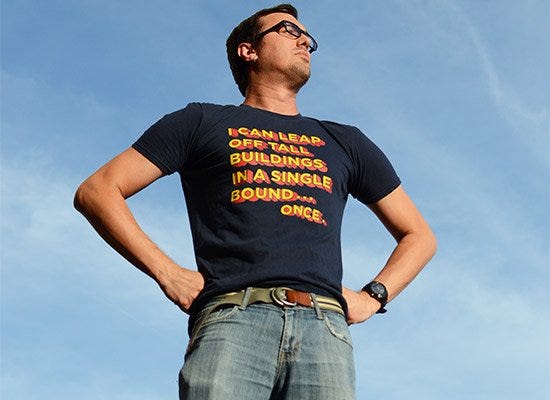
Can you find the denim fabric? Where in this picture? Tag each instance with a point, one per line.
(264, 352)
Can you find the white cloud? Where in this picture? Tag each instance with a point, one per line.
(532, 124)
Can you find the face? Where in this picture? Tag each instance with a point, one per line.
(282, 53)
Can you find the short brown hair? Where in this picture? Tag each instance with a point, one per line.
(246, 32)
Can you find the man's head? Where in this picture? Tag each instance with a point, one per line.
(245, 40)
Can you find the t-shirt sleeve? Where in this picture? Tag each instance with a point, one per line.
(373, 176)
(168, 141)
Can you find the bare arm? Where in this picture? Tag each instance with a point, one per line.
(102, 200)
(416, 245)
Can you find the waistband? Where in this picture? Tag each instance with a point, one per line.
(281, 296)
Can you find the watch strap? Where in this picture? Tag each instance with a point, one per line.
(382, 298)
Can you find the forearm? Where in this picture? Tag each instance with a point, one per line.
(102, 200)
(416, 245)
(107, 211)
(412, 253)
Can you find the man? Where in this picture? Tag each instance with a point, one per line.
(265, 189)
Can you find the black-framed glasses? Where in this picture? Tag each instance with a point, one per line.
(293, 30)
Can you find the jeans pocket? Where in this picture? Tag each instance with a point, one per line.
(219, 314)
(209, 317)
(338, 327)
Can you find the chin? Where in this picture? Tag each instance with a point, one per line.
(299, 76)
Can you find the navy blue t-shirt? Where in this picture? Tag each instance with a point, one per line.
(266, 192)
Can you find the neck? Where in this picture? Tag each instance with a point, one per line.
(267, 97)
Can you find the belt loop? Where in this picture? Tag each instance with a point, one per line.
(246, 298)
(316, 306)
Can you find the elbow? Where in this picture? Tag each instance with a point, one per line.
(434, 244)
(431, 243)
(84, 197)
(94, 196)
(422, 238)
(425, 241)
(79, 200)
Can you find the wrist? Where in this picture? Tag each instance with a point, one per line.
(165, 272)
(369, 303)
(378, 293)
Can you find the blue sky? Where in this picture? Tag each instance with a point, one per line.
(455, 92)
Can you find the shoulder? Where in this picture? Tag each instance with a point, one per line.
(349, 137)
(200, 108)
(343, 131)
(214, 108)
(197, 115)
(337, 125)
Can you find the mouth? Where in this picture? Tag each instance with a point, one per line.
(303, 53)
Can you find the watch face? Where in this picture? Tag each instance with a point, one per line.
(378, 289)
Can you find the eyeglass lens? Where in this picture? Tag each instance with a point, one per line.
(295, 31)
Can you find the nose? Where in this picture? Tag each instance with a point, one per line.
(303, 41)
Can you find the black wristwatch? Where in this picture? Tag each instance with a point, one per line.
(377, 291)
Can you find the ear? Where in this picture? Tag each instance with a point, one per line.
(247, 52)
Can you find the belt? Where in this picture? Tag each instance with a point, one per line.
(280, 296)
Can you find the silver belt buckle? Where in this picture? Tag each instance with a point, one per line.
(279, 296)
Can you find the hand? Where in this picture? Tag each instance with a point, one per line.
(182, 286)
(360, 306)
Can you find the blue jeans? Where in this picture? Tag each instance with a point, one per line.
(265, 352)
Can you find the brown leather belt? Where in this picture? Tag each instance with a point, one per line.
(281, 296)
(297, 297)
